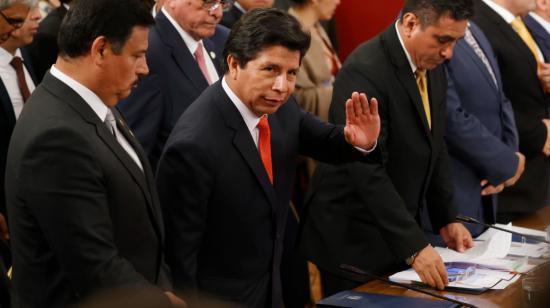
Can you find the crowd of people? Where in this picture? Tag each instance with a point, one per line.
(198, 153)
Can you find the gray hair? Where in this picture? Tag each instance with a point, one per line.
(7, 3)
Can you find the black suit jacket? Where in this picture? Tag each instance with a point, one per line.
(43, 50)
(174, 82)
(367, 214)
(83, 216)
(231, 16)
(225, 221)
(522, 86)
(7, 122)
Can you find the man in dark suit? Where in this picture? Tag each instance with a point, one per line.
(43, 50)
(225, 177)
(14, 62)
(83, 211)
(234, 13)
(184, 55)
(520, 66)
(481, 131)
(374, 210)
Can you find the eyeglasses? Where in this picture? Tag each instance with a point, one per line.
(14, 22)
(212, 5)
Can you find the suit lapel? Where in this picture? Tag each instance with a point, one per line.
(28, 65)
(244, 144)
(180, 53)
(541, 36)
(66, 94)
(153, 208)
(210, 48)
(487, 50)
(393, 47)
(481, 66)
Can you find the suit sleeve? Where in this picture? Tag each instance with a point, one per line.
(378, 198)
(72, 210)
(184, 179)
(471, 142)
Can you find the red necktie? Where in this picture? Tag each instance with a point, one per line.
(264, 145)
(199, 56)
(17, 64)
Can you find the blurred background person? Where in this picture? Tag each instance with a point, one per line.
(239, 7)
(43, 50)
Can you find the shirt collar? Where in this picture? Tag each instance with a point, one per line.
(543, 22)
(250, 119)
(411, 63)
(239, 7)
(189, 41)
(504, 13)
(87, 95)
(6, 57)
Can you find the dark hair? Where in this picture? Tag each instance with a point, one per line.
(89, 19)
(429, 11)
(262, 28)
(298, 3)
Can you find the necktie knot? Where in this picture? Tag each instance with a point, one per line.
(263, 124)
(110, 122)
(17, 64)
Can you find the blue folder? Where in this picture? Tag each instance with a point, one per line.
(354, 299)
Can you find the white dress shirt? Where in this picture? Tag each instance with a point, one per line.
(192, 45)
(250, 119)
(411, 63)
(508, 17)
(99, 108)
(9, 78)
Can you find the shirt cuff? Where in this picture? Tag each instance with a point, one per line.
(365, 152)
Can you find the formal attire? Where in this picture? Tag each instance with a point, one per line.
(225, 217)
(481, 131)
(367, 215)
(518, 67)
(540, 29)
(83, 209)
(175, 80)
(43, 50)
(231, 16)
(11, 101)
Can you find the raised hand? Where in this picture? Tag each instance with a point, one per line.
(362, 121)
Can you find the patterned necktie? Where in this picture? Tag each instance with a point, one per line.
(525, 35)
(264, 145)
(199, 56)
(17, 64)
(470, 40)
(422, 84)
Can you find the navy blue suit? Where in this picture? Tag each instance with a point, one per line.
(541, 36)
(481, 131)
(174, 82)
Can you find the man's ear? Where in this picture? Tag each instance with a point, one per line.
(100, 46)
(410, 22)
(233, 65)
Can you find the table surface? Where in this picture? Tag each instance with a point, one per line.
(510, 297)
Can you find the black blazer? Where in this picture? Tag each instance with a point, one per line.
(522, 86)
(231, 16)
(43, 50)
(225, 222)
(367, 214)
(174, 82)
(7, 122)
(83, 216)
